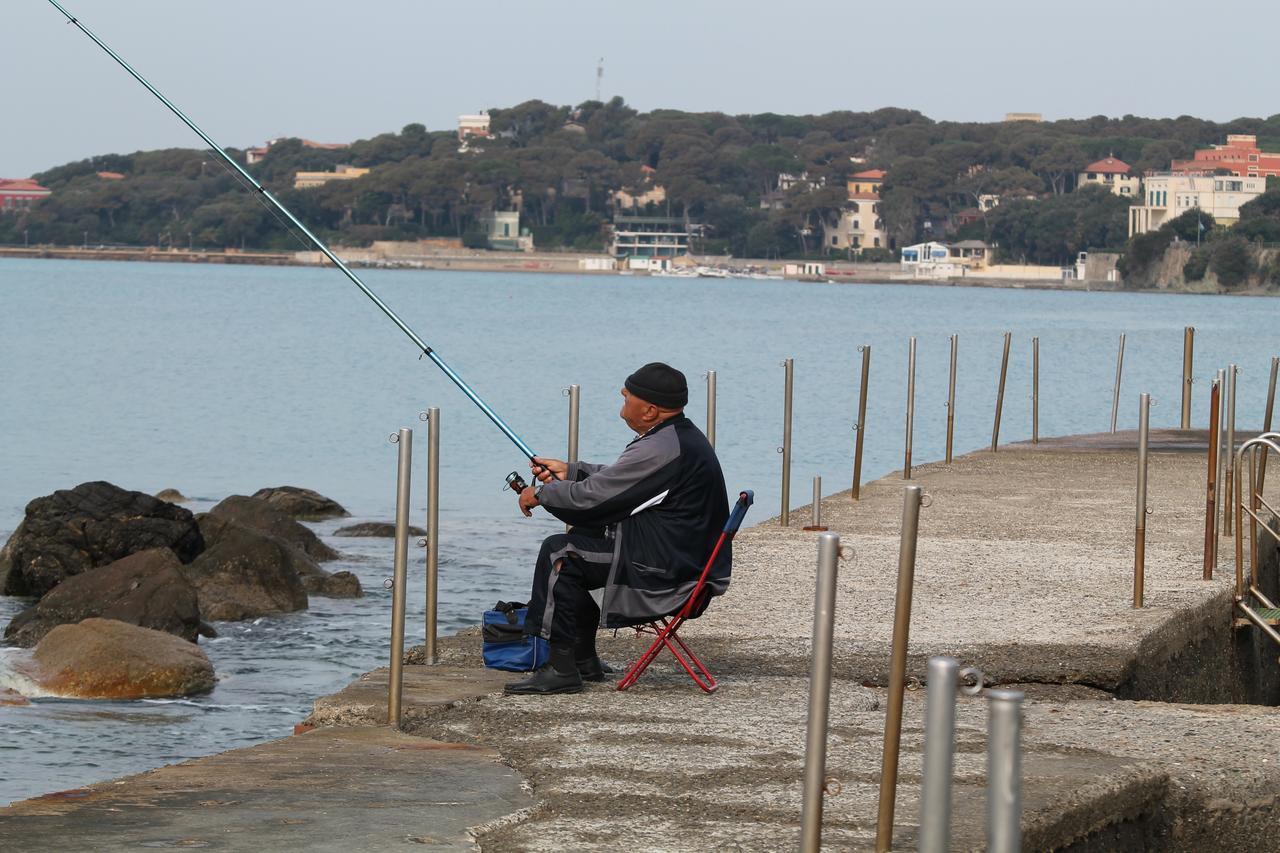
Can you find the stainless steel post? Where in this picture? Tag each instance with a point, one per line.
(1004, 771)
(1211, 489)
(815, 751)
(789, 371)
(861, 425)
(1035, 390)
(1219, 438)
(951, 398)
(711, 407)
(1115, 392)
(816, 522)
(1266, 423)
(433, 531)
(1004, 369)
(404, 471)
(1228, 516)
(1140, 528)
(939, 754)
(911, 501)
(1188, 352)
(911, 407)
(574, 392)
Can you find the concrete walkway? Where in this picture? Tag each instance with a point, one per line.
(1024, 569)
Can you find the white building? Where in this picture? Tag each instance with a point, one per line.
(1170, 195)
(1115, 175)
(476, 124)
(649, 237)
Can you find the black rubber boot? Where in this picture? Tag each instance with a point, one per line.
(594, 669)
(560, 675)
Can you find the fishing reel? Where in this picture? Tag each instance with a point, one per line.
(516, 483)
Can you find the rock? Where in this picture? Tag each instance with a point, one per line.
(383, 529)
(301, 504)
(107, 659)
(260, 515)
(9, 696)
(245, 573)
(145, 589)
(172, 496)
(94, 524)
(336, 585)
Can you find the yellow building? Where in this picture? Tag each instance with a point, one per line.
(1115, 175)
(860, 225)
(308, 180)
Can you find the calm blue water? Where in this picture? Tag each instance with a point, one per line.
(221, 380)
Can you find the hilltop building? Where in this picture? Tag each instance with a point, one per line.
(639, 197)
(1241, 156)
(475, 124)
(309, 180)
(18, 194)
(1023, 117)
(1115, 175)
(1169, 195)
(860, 225)
(257, 155)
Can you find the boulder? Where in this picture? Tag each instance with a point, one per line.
(245, 573)
(383, 529)
(336, 585)
(301, 504)
(94, 524)
(9, 696)
(145, 589)
(262, 516)
(107, 659)
(172, 496)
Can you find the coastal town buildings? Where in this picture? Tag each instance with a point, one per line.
(860, 225)
(649, 236)
(641, 196)
(257, 155)
(502, 228)
(1116, 175)
(18, 194)
(308, 180)
(474, 124)
(945, 259)
(1240, 156)
(1168, 195)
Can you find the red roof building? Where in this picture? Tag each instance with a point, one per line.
(1116, 175)
(19, 194)
(1240, 156)
(1109, 166)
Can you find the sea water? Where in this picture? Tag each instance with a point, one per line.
(220, 380)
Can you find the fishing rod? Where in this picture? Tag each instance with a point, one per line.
(316, 241)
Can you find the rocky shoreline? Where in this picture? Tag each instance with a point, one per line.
(123, 584)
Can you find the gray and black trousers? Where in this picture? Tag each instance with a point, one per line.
(561, 609)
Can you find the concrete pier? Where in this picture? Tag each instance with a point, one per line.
(1024, 569)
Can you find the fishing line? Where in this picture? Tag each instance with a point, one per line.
(261, 191)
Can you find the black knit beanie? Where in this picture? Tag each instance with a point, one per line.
(659, 384)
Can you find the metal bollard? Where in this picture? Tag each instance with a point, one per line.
(574, 393)
(1140, 528)
(1035, 390)
(432, 540)
(785, 449)
(1266, 422)
(816, 523)
(711, 407)
(951, 398)
(1004, 369)
(1004, 771)
(939, 754)
(1211, 496)
(1115, 392)
(1231, 489)
(861, 425)
(911, 407)
(1218, 439)
(815, 750)
(1188, 351)
(404, 471)
(912, 500)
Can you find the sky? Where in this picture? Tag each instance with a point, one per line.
(338, 71)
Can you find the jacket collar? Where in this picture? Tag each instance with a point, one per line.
(668, 422)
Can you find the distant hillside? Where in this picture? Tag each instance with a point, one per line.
(562, 164)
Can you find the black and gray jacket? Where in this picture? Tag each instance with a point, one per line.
(664, 504)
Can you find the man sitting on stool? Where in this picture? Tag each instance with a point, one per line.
(642, 529)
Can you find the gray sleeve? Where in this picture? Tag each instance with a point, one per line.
(582, 470)
(644, 470)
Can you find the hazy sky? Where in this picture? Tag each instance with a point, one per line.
(337, 71)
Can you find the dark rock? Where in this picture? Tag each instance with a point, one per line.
(384, 529)
(336, 585)
(302, 504)
(244, 573)
(94, 524)
(260, 515)
(106, 659)
(172, 496)
(145, 589)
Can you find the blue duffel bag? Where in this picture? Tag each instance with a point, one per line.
(506, 646)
